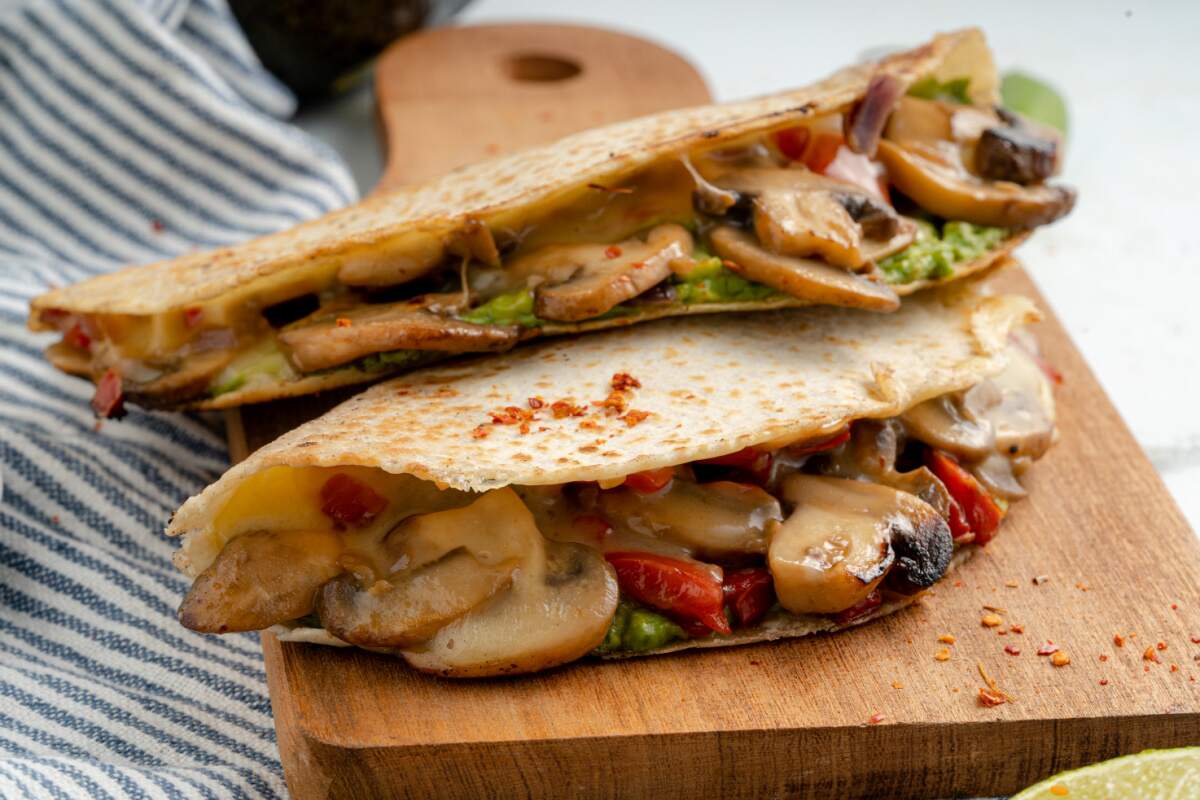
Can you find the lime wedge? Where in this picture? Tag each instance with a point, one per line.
(1035, 99)
(1148, 775)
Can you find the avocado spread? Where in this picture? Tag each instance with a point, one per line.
(265, 360)
(936, 252)
(638, 629)
(712, 282)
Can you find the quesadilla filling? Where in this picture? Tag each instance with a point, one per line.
(849, 208)
(825, 529)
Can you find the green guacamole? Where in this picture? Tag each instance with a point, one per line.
(262, 361)
(513, 308)
(383, 362)
(935, 252)
(637, 629)
(713, 282)
(951, 91)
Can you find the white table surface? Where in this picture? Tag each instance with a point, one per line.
(1122, 271)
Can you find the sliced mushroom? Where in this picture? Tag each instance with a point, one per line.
(329, 339)
(189, 378)
(556, 611)
(475, 241)
(935, 178)
(1019, 155)
(939, 423)
(997, 475)
(803, 278)
(1018, 404)
(409, 608)
(579, 281)
(871, 455)
(260, 579)
(797, 212)
(401, 265)
(716, 519)
(843, 538)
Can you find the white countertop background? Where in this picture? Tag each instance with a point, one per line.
(1122, 271)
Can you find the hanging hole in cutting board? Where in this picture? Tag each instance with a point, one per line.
(540, 68)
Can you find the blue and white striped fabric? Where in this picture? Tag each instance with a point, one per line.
(129, 131)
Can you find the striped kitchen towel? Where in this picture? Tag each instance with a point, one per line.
(130, 130)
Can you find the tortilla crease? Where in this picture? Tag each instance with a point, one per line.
(707, 388)
(500, 192)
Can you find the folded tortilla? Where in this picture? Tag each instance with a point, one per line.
(881, 180)
(594, 495)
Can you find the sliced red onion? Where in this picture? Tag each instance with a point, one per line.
(864, 124)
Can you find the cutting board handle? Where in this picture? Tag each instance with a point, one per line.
(451, 96)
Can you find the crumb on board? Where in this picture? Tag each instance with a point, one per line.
(991, 620)
(1060, 659)
(947, 638)
(942, 655)
(1118, 640)
(1038, 580)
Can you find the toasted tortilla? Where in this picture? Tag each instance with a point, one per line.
(499, 193)
(708, 388)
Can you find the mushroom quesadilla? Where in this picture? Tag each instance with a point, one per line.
(689, 483)
(876, 182)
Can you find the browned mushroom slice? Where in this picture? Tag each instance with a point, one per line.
(716, 519)
(1016, 154)
(406, 609)
(260, 579)
(558, 609)
(579, 281)
(797, 212)
(1018, 404)
(935, 178)
(329, 339)
(939, 423)
(802, 278)
(843, 538)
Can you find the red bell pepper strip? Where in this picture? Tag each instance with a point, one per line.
(982, 513)
(749, 459)
(862, 607)
(109, 400)
(348, 501)
(750, 592)
(651, 480)
(77, 337)
(820, 446)
(792, 142)
(683, 589)
(822, 150)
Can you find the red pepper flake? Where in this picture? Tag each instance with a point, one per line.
(612, 251)
(157, 226)
(1196, 640)
(536, 402)
(523, 428)
(1047, 649)
(733, 265)
(54, 518)
(1174, 606)
(566, 408)
(109, 400)
(1150, 655)
(1104, 681)
(342, 322)
(1174, 668)
(623, 380)
(614, 404)
(1161, 645)
(875, 718)
(1103, 657)
(634, 417)
(1081, 586)
(1016, 628)
(480, 432)
(1118, 640)
(991, 697)
(590, 425)
(193, 316)
(1012, 651)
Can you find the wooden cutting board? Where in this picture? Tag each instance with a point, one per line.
(1111, 553)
